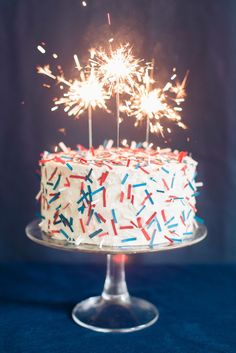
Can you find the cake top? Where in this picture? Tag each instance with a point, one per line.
(123, 157)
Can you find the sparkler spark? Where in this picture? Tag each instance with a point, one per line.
(156, 104)
(119, 71)
(85, 93)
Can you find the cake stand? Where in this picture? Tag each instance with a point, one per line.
(114, 310)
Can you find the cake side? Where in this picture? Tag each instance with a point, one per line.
(120, 197)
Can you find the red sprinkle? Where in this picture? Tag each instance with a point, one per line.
(53, 173)
(122, 196)
(101, 218)
(126, 227)
(67, 184)
(82, 225)
(129, 192)
(114, 227)
(163, 215)
(165, 184)
(181, 156)
(77, 177)
(104, 198)
(145, 233)
(150, 218)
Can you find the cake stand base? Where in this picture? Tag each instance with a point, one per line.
(125, 314)
(114, 310)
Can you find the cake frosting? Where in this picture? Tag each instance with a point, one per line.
(118, 197)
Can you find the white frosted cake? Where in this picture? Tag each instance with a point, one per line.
(118, 197)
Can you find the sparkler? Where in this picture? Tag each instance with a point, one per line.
(155, 104)
(119, 71)
(85, 93)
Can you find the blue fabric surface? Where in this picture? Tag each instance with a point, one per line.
(196, 304)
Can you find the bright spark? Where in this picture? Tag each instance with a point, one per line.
(118, 68)
(41, 49)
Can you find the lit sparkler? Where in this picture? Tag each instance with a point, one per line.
(156, 104)
(119, 71)
(85, 93)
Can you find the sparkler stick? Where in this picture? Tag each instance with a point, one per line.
(90, 126)
(119, 70)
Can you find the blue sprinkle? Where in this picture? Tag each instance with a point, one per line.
(137, 166)
(97, 217)
(191, 186)
(38, 215)
(171, 219)
(57, 182)
(176, 240)
(187, 233)
(172, 182)
(114, 215)
(64, 233)
(98, 190)
(173, 225)
(128, 239)
(165, 170)
(158, 225)
(151, 223)
(153, 238)
(124, 179)
(196, 194)
(153, 180)
(57, 208)
(55, 197)
(199, 220)
(183, 214)
(141, 209)
(92, 235)
(150, 198)
(69, 166)
(190, 211)
(138, 185)
(160, 191)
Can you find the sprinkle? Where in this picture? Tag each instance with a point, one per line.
(158, 225)
(165, 184)
(38, 215)
(128, 239)
(92, 235)
(69, 166)
(53, 173)
(124, 179)
(199, 220)
(122, 196)
(98, 190)
(101, 217)
(129, 192)
(153, 237)
(190, 211)
(57, 182)
(145, 233)
(126, 227)
(104, 197)
(114, 227)
(170, 220)
(97, 217)
(165, 170)
(141, 209)
(128, 163)
(170, 240)
(173, 226)
(187, 233)
(148, 197)
(163, 215)
(103, 177)
(160, 191)
(177, 240)
(88, 176)
(172, 182)
(64, 233)
(103, 234)
(144, 170)
(138, 185)
(114, 215)
(82, 225)
(132, 199)
(182, 154)
(55, 197)
(90, 217)
(182, 220)
(67, 184)
(191, 186)
(150, 218)
(77, 177)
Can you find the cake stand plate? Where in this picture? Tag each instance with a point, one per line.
(114, 310)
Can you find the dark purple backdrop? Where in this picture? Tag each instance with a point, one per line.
(189, 34)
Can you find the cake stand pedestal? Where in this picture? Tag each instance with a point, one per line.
(114, 310)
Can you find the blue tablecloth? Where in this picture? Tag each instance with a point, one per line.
(197, 307)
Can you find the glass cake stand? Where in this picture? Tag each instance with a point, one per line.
(114, 310)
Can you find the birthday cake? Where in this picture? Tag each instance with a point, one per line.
(118, 197)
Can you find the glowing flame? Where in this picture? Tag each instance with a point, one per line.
(157, 104)
(118, 69)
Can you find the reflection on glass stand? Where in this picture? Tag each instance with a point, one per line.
(115, 310)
